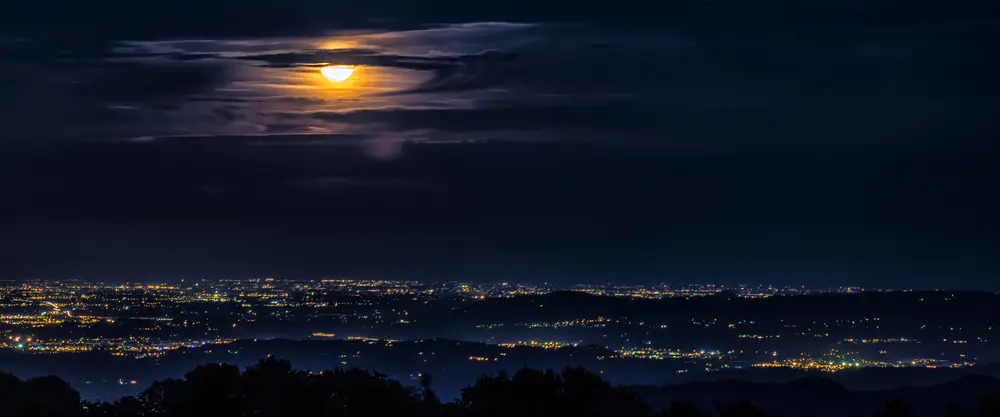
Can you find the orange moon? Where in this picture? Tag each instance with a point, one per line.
(337, 73)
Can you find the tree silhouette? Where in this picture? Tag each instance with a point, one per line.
(50, 396)
(955, 410)
(46, 396)
(273, 388)
(573, 392)
(989, 406)
(11, 397)
(123, 407)
(741, 409)
(897, 408)
(363, 393)
(682, 409)
(270, 387)
(208, 390)
(431, 402)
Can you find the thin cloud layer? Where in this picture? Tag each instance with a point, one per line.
(857, 84)
(652, 87)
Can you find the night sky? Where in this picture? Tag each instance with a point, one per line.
(726, 141)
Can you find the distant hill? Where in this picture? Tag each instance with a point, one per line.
(820, 397)
(916, 305)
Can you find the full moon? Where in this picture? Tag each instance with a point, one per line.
(337, 73)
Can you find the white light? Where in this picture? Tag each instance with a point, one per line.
(337, 73)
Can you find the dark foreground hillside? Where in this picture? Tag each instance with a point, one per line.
(272, 388)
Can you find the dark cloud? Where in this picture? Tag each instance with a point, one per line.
(478, 119)
(142, 82)
(645, 125)
(225, 113)
(285, 127)
(483, 70)
(339, 184)
(86, 90)
(314, 57)
(291, 100)
(237, 141)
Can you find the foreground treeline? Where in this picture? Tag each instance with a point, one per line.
(271, 388)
